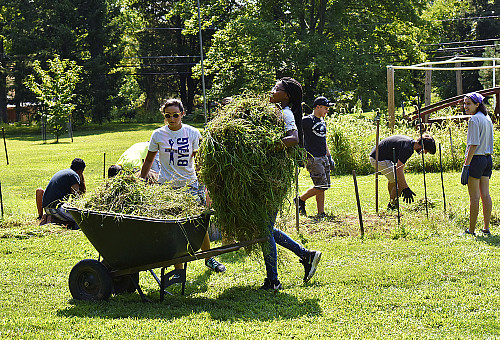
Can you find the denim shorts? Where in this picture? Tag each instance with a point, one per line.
(480, 166)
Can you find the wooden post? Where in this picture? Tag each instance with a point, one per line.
(5, 145)
(390, 97)
(428, 88)
(460, 89)
(361, 227)
(377, 137)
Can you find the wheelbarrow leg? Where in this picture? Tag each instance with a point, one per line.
(139, 290)
(168, 279)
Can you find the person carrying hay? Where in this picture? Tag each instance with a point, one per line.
(177, 144)
(287, 94)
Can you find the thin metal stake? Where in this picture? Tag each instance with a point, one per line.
(422, 153)
(394, 168)
(297, 198)
(377, 137)
(5, 145)
(104, 167)
(1, 199)
(442, 180)
(361, 227)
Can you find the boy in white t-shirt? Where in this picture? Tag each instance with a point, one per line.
(177, 144)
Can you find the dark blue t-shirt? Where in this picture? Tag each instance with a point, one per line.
(402, 144)
(314, 135)
(60, 186)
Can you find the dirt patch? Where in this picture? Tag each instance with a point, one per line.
(344, 225)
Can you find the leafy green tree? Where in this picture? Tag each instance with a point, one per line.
(54, 88)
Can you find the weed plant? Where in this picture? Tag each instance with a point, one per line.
(246, 169)
(126, 194)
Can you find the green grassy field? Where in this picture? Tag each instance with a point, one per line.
(415, 279)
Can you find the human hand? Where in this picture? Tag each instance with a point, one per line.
(408, 195)
(464, 179)
(332, 162)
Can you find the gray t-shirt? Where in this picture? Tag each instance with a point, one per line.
(480, 133)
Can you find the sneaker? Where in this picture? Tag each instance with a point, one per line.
(321, 216)
(302, 206)
(391, 206)
(268, 285)
(310, 263)
(486, 232)
(467, 232)
(215, 265)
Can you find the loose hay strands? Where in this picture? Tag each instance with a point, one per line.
(126, 194)
(247, 178)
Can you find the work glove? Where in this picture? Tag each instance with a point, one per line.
(464, 179)
(332, 162)
(408, 195)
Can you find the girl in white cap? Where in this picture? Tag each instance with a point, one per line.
(476, 171)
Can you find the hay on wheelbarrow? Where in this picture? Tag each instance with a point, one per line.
(128, 195)
(248, 179)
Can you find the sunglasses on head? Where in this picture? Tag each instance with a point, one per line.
(168, 115)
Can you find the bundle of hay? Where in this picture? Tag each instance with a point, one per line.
(248, 179)
(126, 194)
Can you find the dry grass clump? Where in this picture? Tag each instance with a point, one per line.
(247, 177)
(126, 194)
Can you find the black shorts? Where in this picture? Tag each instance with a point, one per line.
(480, 165)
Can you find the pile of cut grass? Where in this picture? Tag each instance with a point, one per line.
(128, 195)
(248, 179)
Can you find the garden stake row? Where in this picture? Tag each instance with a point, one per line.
(362, 229)
(396, 177)
(442, 181)
(5, 145)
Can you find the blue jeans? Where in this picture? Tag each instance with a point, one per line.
(269, 249)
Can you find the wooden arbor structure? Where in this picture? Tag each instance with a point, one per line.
(428, 67)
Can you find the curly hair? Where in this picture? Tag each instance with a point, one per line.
(294, 90)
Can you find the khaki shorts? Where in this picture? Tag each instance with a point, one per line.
(319, 170)
(386, 168)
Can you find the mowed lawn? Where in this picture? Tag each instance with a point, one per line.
(413, 279)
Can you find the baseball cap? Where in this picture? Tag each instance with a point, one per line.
(322, 101)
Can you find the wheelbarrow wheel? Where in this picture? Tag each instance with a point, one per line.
(90, 280)
(125, 283)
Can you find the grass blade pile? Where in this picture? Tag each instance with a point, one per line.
(126, 194)
(247, 178)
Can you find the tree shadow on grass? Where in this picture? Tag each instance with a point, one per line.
(237, 303)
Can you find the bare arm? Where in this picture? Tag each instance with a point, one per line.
(148, 162)
(400, 171)
(471, 149)
(291, 138)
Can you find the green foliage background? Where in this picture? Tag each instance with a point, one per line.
(352, 137)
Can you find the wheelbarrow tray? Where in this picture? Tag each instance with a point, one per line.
(126, 241)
